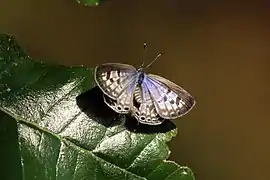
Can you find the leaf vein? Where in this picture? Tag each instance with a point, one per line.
(57, 161)
(154, 170)
(173, 173)
(132, 162)
(64, 96)
(69, 122)
(23, 169)
(76, 166)
(39, 143)
(34, 82)
(101, 140)
(27, 85)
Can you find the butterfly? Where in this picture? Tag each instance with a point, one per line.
(147, 97)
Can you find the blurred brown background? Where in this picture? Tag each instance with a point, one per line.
(219, 51)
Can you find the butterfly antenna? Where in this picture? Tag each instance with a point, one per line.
(157, 57)
(144, 54)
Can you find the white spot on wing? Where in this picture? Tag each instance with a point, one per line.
(174, 106)
(104, 78)
(113, 74)
(113, 86)
(108, 83)
(182, 102)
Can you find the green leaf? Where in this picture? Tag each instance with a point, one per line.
(89, 2)
(54, 125)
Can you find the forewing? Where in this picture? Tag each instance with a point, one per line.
(117, 81)
(144, 109)
(170, 100)
(114, 78)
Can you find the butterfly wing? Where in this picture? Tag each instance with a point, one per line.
(114, 78)
(117, 81)
(170, 100)
(144, 109)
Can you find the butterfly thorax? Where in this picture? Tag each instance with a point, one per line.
(138, 88)
(141, 77)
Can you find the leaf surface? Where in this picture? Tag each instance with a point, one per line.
(89, 2)
(55, 125)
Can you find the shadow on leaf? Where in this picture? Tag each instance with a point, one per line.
(133, 125)
(92, 104)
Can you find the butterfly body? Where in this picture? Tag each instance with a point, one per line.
(140, 77)
(149, 98)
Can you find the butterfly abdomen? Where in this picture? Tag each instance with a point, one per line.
(138, 95)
